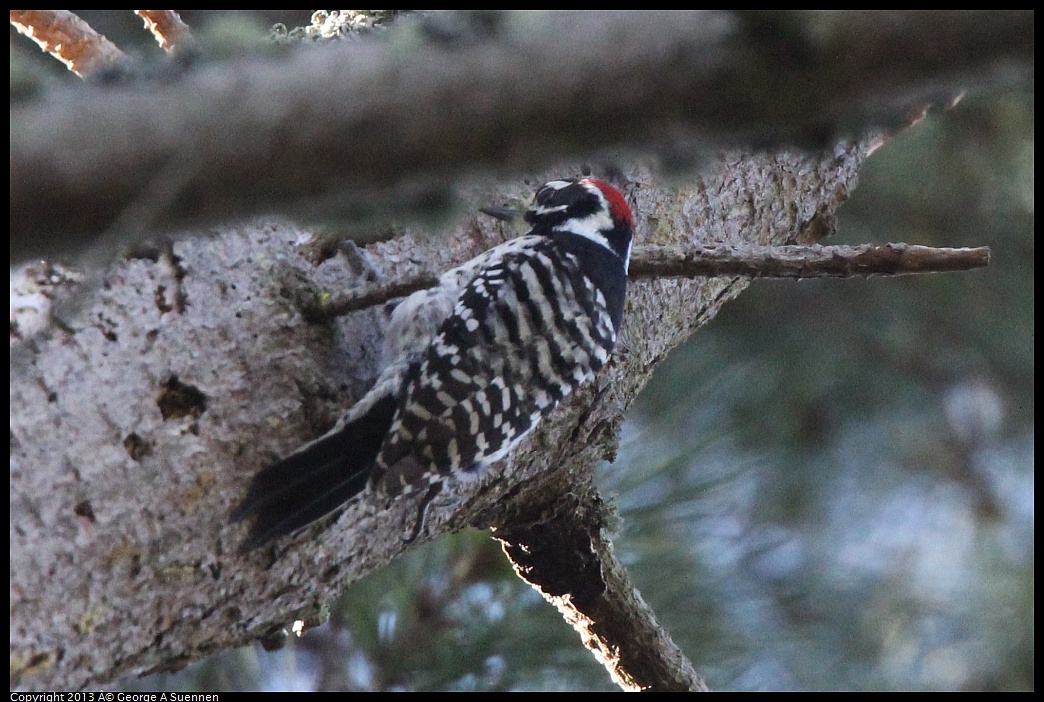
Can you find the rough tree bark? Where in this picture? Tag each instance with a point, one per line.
(141, 409)
(141, 417)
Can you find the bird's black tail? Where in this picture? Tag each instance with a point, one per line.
(309, 484)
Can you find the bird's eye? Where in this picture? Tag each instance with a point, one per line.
(544, 195)
(547, 193)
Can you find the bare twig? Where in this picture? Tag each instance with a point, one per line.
(654, 261)
(343, 304)
(69, 39)
(813, 261)
(170, 31)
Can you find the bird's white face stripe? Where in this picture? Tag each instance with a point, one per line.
(541, 210)
(553, 185)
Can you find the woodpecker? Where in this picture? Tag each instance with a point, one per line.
(471, 365)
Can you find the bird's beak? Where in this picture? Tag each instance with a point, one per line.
(504, 214)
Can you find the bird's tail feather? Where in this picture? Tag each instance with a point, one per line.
(316, 480)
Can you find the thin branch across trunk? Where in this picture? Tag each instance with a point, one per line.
(680, 261)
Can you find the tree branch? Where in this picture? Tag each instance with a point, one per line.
(653, 261)
(564, 554)
(171, 33)
(137, 423)
(812, 261)
(69, 39)
(379, 128)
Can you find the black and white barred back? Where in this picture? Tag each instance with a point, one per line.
(471, 365)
